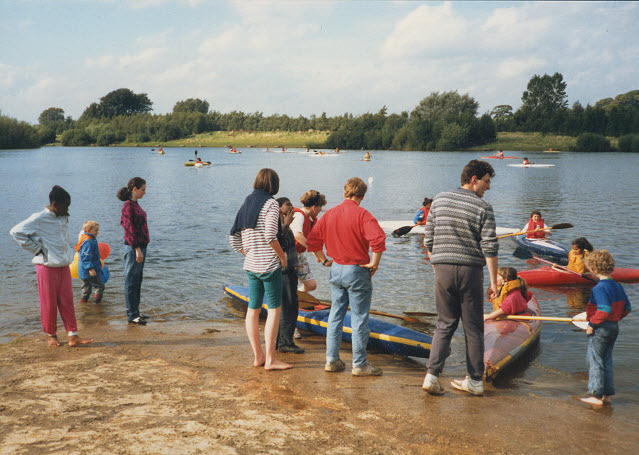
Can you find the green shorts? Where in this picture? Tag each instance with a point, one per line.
(265, 283)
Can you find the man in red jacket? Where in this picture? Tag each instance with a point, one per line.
(348, 231)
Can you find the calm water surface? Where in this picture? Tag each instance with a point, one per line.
(190, 212)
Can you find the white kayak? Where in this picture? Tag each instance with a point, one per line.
(531, 165)
(390, 226)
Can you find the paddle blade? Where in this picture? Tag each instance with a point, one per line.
(402, 230)
(561, 226)
(522, 253)
(580, 321)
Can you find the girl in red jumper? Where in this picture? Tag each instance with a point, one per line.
(513, 294)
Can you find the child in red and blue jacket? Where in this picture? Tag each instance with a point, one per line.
(89, 264)
(608, 304)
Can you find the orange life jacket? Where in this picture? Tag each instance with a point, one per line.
(532, 226)
(423, 221)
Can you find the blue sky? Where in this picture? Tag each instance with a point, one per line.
(308, 57)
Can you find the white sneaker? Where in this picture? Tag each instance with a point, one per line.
(469, 385)
(432, 385)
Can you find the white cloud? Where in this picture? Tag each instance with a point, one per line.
(514, 67)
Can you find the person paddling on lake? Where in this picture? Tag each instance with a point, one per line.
(536, 228)
(526, 161)
(576, 256)
(422, 214)
(500, 154)
(45, 234)
(136, 239)
(254, 234)
(513, 295)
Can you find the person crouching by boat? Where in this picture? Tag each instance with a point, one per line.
(513, 294)
(580, 249)
(254, 234)
(536, 228)
(290, 302)
(348, 231)
(422, 214)
(607, 306)
(303, 221)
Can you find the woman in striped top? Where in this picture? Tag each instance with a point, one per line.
(254, 234)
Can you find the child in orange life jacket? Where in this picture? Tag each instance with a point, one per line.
(513, 294)
(526, 161)
(535, 226)
(422, 213)
(580, 249)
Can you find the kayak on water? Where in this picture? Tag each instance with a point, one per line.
(384, 336)
(495, 157)
(194, 164)
(549, 276)
(531, 165)
(543, 247)
(505, 340)
(390, 226)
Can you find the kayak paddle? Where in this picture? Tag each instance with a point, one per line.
(402, 230)
(525, 254)
(308, 298)
(579, 320)
(554, 226)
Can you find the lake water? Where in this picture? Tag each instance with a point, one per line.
(190, 212)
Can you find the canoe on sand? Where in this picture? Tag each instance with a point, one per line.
(384, 336)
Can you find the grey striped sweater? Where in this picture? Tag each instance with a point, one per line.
(460, 229)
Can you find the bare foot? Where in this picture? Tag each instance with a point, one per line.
(593, 400)
(607, 400)
(277, 365)
(53, 341)
(259, 362)
(75, 340)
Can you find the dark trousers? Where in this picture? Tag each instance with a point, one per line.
(459, 294)
(89, 284)
(290, 308)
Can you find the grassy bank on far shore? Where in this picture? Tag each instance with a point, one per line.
(247, 139)
(529, 142)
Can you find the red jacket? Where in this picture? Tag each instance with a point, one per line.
(348, 231)
(532, 226)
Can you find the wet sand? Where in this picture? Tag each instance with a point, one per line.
(191, 389)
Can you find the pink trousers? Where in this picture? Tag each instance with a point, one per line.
(56, 292)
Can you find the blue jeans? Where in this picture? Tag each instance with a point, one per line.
(350, 285)
(132, 281)
(600, 344)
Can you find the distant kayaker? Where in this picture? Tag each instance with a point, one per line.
(580, 249)
(349, 231)
(254, 234)
(198, 160)
(422, 214)
(460, 239)
(500, 154)
(608, 304)
(513, 294)
(367, 156)
(526, 161)
(534, 229)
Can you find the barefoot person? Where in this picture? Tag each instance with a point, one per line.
(254, 234)
(349, 231)
(460, 239)
(46, 235)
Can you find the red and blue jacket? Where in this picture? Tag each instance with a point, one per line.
(608, 302)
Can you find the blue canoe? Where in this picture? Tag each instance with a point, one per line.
(543, 247)
(384, 336)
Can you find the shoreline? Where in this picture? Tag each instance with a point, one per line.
(191, 388)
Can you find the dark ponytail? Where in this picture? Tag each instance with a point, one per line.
(124, 194)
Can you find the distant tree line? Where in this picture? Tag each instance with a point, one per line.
(441, 121)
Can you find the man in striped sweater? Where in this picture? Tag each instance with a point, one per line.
(460, 239)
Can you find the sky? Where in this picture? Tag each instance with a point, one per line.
(308, 57)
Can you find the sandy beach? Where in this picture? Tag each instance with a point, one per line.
(190, 388)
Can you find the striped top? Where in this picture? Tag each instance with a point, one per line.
(460, 229)
(260, 257)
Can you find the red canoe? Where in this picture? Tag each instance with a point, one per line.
(506, 340)
(501, 157)
(547, 276)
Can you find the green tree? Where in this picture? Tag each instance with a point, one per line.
(51, 117)
(544, 96)
(502, 116)
(118, 102)
(447, 107)
(192, 105)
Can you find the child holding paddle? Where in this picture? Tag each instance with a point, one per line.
(422, 214)
(580, 249)
(513, 294)
(607, 306)
(536, 228)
